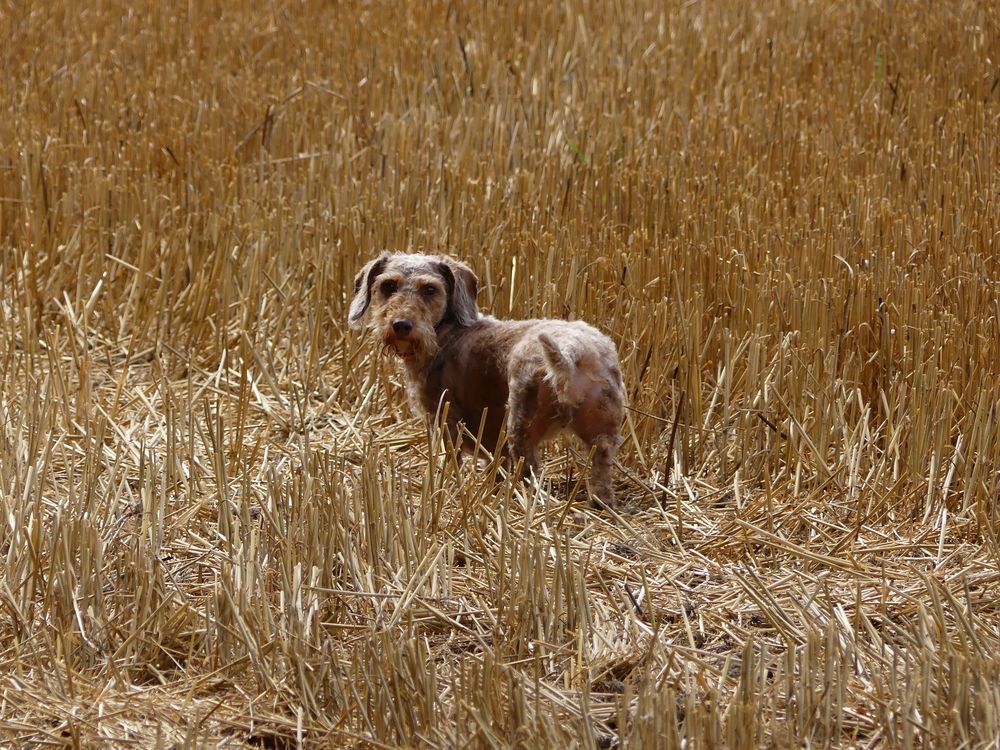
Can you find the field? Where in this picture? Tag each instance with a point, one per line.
(221, 525)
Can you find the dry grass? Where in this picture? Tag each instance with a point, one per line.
(219, 525)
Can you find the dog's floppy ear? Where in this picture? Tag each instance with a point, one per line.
(462, 289)
(363, 290)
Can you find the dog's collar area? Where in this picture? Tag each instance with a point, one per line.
(450, 319)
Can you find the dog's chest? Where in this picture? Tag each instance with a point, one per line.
(470, 379)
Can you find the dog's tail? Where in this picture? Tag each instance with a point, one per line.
(560, 369)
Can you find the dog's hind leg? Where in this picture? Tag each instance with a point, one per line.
(521, 443)
(605, 447)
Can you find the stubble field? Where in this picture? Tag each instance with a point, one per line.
(220, 524)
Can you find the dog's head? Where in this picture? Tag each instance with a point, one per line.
(407, 298)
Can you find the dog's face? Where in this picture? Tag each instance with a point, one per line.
(406, 299)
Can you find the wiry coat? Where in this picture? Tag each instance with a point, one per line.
(545, 375)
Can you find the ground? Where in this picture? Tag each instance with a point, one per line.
(221, 526)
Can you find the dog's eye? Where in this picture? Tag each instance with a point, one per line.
(388, 288)
(429, 290)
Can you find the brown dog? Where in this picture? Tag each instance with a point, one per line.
(552, 374)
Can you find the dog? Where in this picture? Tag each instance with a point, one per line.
(545, 375)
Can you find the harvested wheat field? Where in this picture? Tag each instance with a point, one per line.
(221, 525)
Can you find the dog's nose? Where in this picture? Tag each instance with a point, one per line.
(402, 326)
